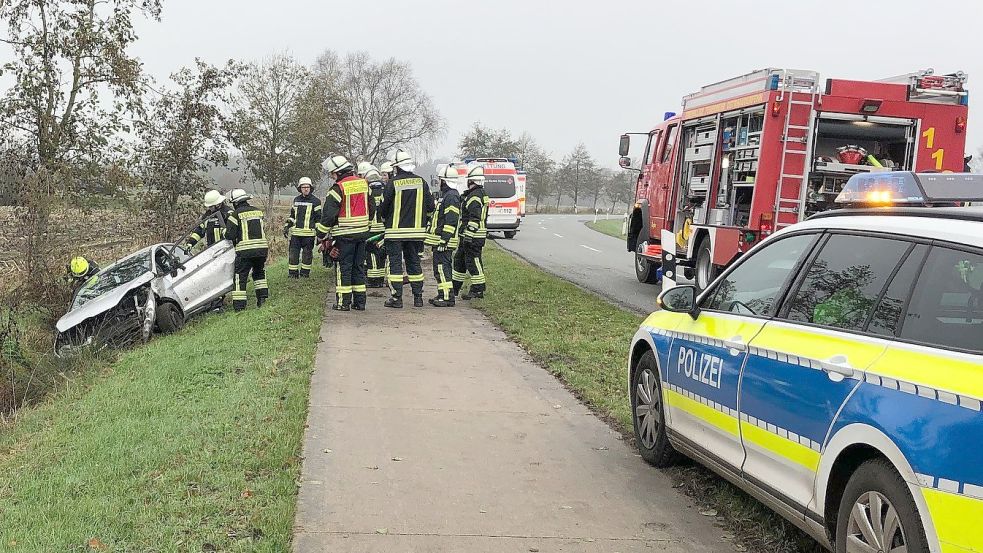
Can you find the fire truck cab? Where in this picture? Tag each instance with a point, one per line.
(762, 151)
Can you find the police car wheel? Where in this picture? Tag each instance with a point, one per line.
(877, 513)
(649, 418)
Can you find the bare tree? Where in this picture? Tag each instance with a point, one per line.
(67, 58)
(379, 105)
(481, 141)
(579, 170)
(618, 188)
(183, 137)
(264, 117)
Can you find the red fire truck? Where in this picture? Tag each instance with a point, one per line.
(756, 153)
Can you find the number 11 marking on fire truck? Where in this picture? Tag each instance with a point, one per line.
(937, 155)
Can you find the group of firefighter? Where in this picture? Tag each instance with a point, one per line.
(372, 224)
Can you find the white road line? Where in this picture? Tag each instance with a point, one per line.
(558, 235)
(589, 248)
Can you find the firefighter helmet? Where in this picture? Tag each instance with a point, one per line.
(213, 198)
(402, 159)
(303, 181)
(476, 175)
(364, 167)
(79, 265)
(373, 176)
(447, 173)
(336, 164)
(239, 195)
(386, 168)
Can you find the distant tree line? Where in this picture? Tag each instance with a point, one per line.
(576, 176)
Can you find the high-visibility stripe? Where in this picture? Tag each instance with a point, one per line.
(335, 196)
(395, 278)
(358, 288)
(957, 519)
(782, 447)
(416, 278)
(703, 412)
(458, 276)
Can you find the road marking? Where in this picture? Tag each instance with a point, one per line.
(558, 235)
(589, 248)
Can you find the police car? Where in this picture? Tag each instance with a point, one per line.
(836, 371)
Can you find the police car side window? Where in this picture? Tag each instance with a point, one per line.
(754, 286)
(845, 280)
(886, 318)
(946, 308)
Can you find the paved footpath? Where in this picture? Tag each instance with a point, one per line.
(430, 432)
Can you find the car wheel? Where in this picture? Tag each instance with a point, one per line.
(649, 413)
(510, 234)
(169, 318)
(705, 270)
(877, 513)
(646, 271)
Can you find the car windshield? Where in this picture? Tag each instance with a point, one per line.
(113, 277)
(500, 186)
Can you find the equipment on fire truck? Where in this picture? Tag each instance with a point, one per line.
(851, 154)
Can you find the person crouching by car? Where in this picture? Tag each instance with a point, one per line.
(79, 270)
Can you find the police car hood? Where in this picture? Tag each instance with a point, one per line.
(101, 304)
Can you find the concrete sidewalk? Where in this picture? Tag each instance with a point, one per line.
(430, 431)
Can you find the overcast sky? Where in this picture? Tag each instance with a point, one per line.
(576, 70)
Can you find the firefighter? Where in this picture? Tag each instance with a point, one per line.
(467, 259)
(245, 231)
(213, 221)
(386, 170)
(375, 274)
(304, 215)
(406, 206)
(346, 215)
(442, 236)
(79, 270)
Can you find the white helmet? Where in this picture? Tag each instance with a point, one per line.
(402, 159)
(477, 175)
(448, 172)
(364, 167)
(213, 198)
(386, 167)
(239, 195)
(372, 175)
(335, 164)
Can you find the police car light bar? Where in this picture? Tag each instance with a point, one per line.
(909, 188)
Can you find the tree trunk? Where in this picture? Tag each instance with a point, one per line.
(558, 196)
(537, 204)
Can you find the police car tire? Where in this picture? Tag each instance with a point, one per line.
(878, 475)
(661, 454)
(169, 318)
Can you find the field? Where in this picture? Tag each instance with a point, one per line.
(611, 227)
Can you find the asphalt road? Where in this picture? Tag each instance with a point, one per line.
(565, 246)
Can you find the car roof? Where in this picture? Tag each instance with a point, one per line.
(961, 225)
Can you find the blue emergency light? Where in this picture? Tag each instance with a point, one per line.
(899, 188)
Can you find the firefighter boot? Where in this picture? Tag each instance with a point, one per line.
(260, 301)
(395, 302)
(418, 301)
(441, 302)
(473, 295)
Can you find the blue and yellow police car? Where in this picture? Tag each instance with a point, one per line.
(835, 372)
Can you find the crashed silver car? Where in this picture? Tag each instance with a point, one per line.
(155, 289)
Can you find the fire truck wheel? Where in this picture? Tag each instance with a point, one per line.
(510, 234)
(706, 271)
(646, 271)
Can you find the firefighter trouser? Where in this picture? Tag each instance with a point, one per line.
(408, 251)
(243, 267)
(350, 272)
(376, 273)
(301, 255)
(467, 262)
(442, 271)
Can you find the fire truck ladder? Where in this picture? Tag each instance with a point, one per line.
(801, 90)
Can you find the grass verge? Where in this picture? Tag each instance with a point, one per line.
(190, 443)
(584, 340)
(611, 227)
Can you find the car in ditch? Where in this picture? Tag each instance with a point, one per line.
(155, 289)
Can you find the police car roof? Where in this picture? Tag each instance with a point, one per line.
(962, 225)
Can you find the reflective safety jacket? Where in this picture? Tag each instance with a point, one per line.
(376, 225)
(245, 231)
(474, 214)
(444, 221)
(211, 229)
(304, 215)
(347, 209)
(406, 207)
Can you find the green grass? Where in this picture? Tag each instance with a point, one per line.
(611, 227)
(584, 341)
(190, 443)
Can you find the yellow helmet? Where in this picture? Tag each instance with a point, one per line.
(79, 265)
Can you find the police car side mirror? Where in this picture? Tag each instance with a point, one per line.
(680, 299)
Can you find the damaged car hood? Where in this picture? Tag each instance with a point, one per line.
(101, 304)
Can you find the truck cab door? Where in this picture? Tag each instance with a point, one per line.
(663, 184)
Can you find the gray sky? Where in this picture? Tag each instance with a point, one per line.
(582, 71)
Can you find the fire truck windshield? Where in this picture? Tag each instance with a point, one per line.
(500, 186)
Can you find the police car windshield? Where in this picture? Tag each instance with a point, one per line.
(500, 186)
(113, 277)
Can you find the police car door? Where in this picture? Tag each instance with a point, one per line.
(708, 352)
(800, 366)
